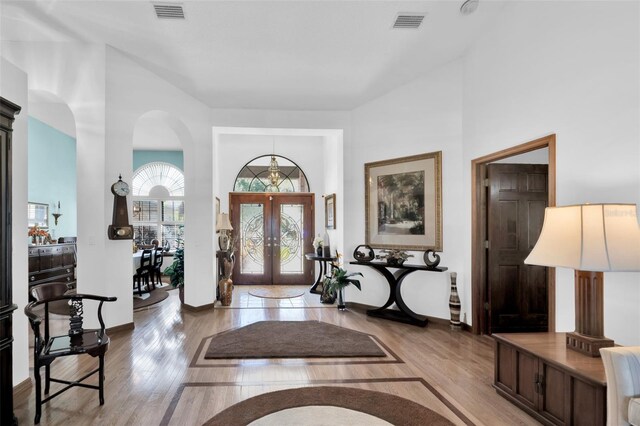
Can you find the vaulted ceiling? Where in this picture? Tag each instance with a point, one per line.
(290, 55)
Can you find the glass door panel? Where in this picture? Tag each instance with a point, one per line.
(251, 239)
(293, 231)
(275, 231)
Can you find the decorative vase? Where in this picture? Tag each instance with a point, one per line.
(319, 251)
(34, 240)
(226, 291)
(454, 303)
(341, 304)
(327, 297)
(326, 247)
(181, 294)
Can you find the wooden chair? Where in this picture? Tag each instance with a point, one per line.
(156, 267)
(77, 341)
(143, 272)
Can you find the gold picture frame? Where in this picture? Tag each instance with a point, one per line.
(403, 202)
(330, 211)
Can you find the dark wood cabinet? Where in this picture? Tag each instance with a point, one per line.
(556, 385)
(8, 110)
(53, 262)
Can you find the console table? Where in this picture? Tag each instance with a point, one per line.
(394, 280)
(322, 261)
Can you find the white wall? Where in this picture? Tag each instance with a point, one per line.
(539, 156)
(235, 150)
(132, 92)
(48, 68)
(570, 68)
(13, 87)
(420, 117)
(331, 129)
(55, 114)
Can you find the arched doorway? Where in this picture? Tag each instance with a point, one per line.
(272, 215)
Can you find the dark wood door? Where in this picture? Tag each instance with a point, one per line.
(274, 232)
(517, 293)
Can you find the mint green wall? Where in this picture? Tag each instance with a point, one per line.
(52, 175)
(140, 158)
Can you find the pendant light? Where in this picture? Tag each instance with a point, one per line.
(274, 170)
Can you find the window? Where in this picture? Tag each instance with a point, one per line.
(255, 176)
(158, 207)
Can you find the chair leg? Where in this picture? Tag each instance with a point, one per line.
(47, 378)
(138, 282)
(36, 374)
(101, 380)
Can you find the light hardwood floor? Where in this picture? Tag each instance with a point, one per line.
(156, 374)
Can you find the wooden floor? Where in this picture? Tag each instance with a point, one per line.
(156, 373)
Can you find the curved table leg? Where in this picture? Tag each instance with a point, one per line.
(319, 280)
(404, 314)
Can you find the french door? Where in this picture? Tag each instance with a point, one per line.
(274, 232)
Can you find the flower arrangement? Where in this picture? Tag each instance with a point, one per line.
(317, 242)
(394, 256)
(35, 232)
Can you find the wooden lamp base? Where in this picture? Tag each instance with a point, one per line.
(589, 335)
(586, 344)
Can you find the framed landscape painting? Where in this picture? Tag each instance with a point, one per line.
(403, 202)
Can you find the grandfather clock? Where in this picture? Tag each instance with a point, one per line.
(8, 110)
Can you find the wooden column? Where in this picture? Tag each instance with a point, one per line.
(589, 334)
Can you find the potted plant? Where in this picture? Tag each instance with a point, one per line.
(394, 257)
(175, 271)
(338, 280)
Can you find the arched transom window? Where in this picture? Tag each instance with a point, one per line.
(157, 174)
(158, 204)
(263, 175)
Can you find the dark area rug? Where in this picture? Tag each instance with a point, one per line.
(61, 307)
(156, 296)
(291, 339)
(393, 409)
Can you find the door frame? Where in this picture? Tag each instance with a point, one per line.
(479, 228)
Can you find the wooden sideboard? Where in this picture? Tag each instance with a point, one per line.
(556, 385)
(52, 262)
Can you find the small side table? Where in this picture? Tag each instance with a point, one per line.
(322, 261)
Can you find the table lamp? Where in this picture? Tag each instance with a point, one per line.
(223, 225)
(592, 239)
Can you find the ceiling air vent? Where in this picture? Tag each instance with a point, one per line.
(168, 10)
(408, 20)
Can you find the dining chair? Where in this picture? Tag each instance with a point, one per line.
(76, 341)
(156, 267)
(143, 272)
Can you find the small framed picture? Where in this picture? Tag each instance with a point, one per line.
(330, 211)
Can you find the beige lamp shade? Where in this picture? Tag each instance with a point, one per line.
(589, 237)
(223, 223)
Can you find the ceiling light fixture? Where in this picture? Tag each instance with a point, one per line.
(468, 7)
(274, 170)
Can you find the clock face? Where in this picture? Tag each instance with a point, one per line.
(120, 188)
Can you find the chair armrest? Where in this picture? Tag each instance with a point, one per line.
(32, 316)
